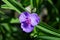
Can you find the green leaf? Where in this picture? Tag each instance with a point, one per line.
(31, 2)
(48, 38)
(50, 1)
(15, 5)
(48, 31)
(48, 26)
(11, 5)
(38, 6)
(6, 26)
(16, 20)
(20, 5)
(1, 12)
(6, 7)
(25, 3)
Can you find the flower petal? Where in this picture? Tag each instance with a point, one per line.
(34, 19)
(27, 27)
(23, 16)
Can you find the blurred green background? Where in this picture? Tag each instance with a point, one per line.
(47, 29)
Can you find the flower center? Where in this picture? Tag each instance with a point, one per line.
(28, 20)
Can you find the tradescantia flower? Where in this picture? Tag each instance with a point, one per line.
(28, 21)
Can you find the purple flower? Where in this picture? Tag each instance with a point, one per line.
(28, 21)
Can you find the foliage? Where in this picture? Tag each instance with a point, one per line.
(47, 29)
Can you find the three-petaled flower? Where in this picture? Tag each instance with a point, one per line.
(28, 21)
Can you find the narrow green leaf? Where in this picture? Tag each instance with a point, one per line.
(48, 38)
(6, 7)
(25, 3)
(31, 2)
(11, 5)
(14, 20)
(1, 12)
(48, 26)
(6, 26)
(50, 1)
(37, 1)
(48, 31)
(20, 5)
